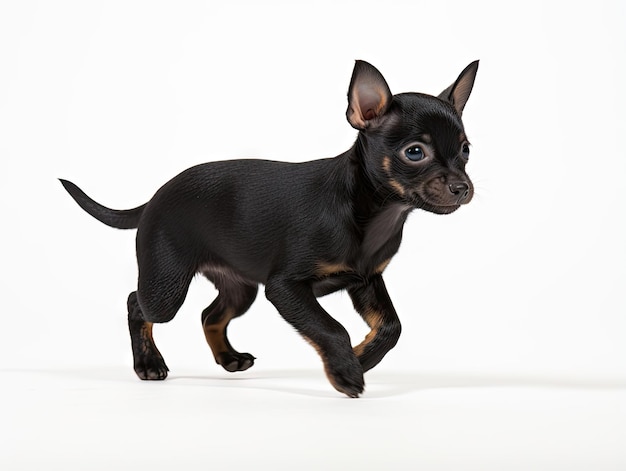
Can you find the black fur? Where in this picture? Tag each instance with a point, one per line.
(303, 230)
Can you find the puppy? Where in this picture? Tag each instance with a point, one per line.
(302, 230)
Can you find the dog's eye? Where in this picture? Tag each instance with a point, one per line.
(414, 153)
(466, 151)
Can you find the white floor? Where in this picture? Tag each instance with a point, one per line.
(105, 419)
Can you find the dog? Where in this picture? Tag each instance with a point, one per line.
(303, 230)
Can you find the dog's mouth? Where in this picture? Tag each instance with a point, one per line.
(434, 208)
(442, 209)
(442, 197)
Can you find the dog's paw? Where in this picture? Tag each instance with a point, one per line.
(347, 377)
(151, 368)
(235, 361)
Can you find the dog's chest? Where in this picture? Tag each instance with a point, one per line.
(380, 241)
(381, 229)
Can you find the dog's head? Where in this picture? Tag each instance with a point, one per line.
(413, 146)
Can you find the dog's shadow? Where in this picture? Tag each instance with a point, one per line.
(313, 383)
(397, 383)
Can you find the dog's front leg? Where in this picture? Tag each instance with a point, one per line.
(372, 302)
(297, 304)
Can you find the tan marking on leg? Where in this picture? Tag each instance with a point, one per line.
(146, 330)
(319, 351)
(315, 346)
(360, 348)
(374, 320)
(215, 335)
(147, 341)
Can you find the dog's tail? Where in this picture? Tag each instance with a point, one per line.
(120, 219)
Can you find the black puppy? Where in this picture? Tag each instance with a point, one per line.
(303, 230)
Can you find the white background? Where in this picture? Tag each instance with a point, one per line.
(513, 310)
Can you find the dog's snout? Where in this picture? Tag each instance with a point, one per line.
(460, 189)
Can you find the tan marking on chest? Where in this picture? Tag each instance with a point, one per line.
(324, 269)
(381, 268)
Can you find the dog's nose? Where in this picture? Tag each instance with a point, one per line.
(460, 190)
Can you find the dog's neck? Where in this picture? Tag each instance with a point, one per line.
(379, 214)
(370, 196)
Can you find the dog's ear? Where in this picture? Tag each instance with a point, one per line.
(459, 91)
(368, 96)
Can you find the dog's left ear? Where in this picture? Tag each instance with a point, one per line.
(458, 93)
(368, 96)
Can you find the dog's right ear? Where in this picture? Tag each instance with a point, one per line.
(368, 96)
(458, 93)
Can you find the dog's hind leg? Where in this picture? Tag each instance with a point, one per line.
(233, 300)
(148, 362)
(163, 285)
